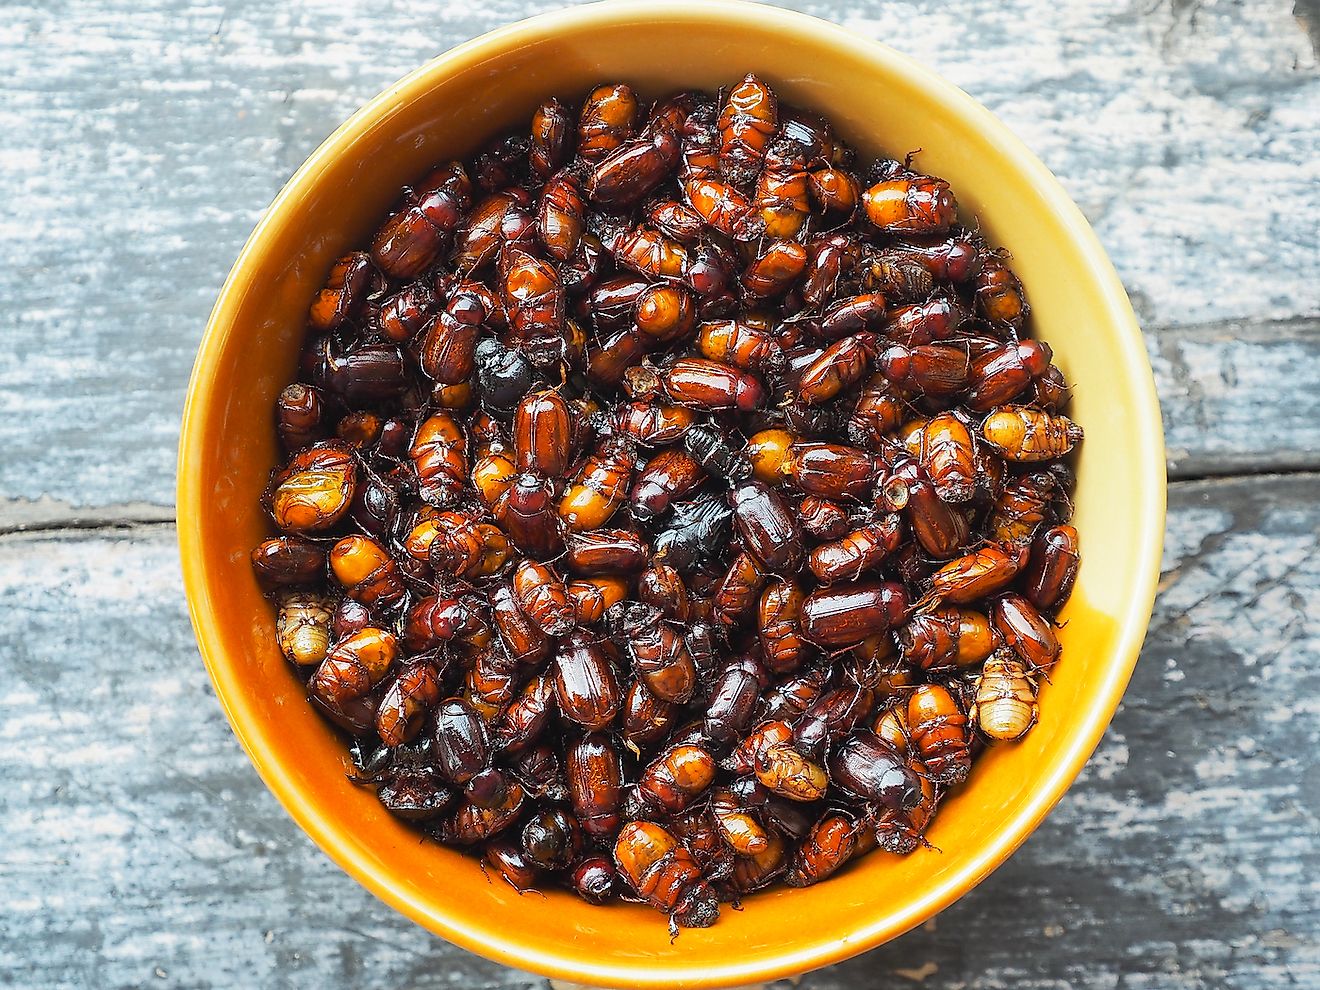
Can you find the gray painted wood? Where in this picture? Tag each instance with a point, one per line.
(138, 845)
(142, 141)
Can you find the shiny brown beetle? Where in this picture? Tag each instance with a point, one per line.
(658, 651)
(780, 626)
(831, 259)
(541, 595)
(436, 619)
(676, 778)
(449, 343)
(929, 369)
(647, 251)
(525, 718)
(606, 551)
(511, 863)
(287, 561)
(601, 486)
(705, 384)
(664, 874)
(948, 458)
(723, 208)
(664, 314)
(830, 717)
(1027, 632)
(767, 450)
(740, 344)
(999, 295)
(594, 596)
(561, 216)
(1022, 507)
(830, 470)
(1052, 567)
(608, 117)
(586, 685)
(527, 512)
(747, 123)
(901, 832)
(595, 784)
(793, 696)
(313, 491)
(542, 433)
(668, 477)
(439, 456)
(774, 268)
(941, 529)
(673, 219)
(844, 614)
(783, 197)
(663, 588)
(912, 204)
(841, 365)
(874, 771)
(593, 879)
(346, 288)
(497, 219)
(939, 733)
(406, 702)
(823, 519)
(732, 699)
(738, 827)
(828, 845)
(751, 873)
(976, 575)
(551, 138)
(651, 424)
(1023, 434)
(785, 771)
(646, 719)
(353, 666)
(1005, 372)
(738, 588)
(412, 239)
(299, 411)
(944, 638)
(857, 552)
(534, 300)
(768, 529)
(526, 640)
(773, 733)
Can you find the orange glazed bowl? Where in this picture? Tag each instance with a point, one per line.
(881, 102)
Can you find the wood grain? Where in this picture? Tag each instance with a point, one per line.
(139, 847)
(143, 140)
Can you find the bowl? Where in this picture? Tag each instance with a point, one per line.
(879, 100)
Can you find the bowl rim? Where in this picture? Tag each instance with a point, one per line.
(502, 946)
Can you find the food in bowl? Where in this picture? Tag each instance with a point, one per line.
(672, 507)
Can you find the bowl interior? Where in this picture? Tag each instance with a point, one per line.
(880, 102)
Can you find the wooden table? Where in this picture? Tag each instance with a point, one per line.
(139, 143)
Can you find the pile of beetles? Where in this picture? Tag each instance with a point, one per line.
(671, 505)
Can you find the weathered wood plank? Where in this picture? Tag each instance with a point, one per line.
(139, 847)
(1239, 396)
(142, 141)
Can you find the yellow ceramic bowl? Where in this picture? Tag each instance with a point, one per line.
(883, 103)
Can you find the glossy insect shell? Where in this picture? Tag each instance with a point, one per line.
(1005, 706)
(848, 613)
